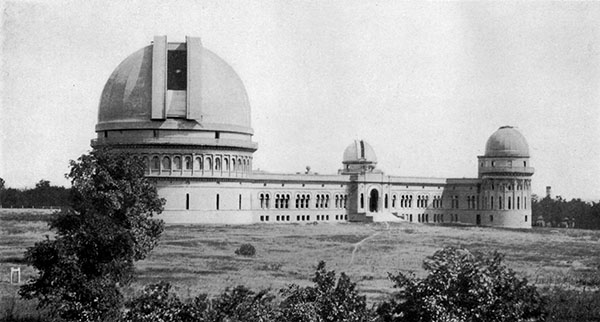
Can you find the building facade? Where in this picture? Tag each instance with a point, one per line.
(186, 112)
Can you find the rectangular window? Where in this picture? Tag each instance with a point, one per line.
(217, 201)
(177, 70)
(187, 201)
(240, 202)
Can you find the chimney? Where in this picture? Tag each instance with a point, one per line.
(548, 192)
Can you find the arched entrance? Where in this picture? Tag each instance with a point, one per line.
(373, 200)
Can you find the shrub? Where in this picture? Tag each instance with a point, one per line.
(157, 303)
(243, 305)
(326, 301)
(246, 250)
(573, 305)
(463, 287)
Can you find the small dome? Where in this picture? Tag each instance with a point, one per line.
(359, 151)
(127, 95)
(507, 141)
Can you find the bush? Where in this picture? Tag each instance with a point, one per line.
(326, 301)
(246, 250)
(573, 305)
(157, 303)
(463, 287)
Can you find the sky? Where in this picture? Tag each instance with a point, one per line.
(425, 83)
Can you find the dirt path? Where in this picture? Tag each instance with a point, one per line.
(357, 245)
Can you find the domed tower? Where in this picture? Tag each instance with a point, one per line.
(505, 174)
(359, 157)
(182, 108)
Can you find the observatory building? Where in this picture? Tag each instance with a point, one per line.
(186, 112)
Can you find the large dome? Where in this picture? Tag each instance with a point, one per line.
(126, 100)
(507, 141)
(359, 151)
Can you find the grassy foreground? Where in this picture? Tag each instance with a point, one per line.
(201, 259)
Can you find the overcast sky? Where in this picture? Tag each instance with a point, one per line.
(424, 83)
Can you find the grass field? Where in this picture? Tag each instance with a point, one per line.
(201, 259)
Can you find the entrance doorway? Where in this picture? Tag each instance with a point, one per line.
(373, 200)
(478, 220)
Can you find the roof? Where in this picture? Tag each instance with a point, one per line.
(507, 141)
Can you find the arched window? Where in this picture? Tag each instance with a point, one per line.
(518, 202)
(198, 164)
(146, 163)
(327, 201)
(207, 164)
(177, 163)
(188, 163)
(166, 164)
(155, 164)
(385, 202)
(262, 201)
(362, 200)
(217, 164)
(500, 205)
(509, 203)
(233, 165)
(226, 164)
(267, 201)
(492, 202)
(394, 201)
(336, 201)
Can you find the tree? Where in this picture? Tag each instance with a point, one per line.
(462, 286)
(1, 191)
(109, 226)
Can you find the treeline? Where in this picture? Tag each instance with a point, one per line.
(560, 212)
(42, 196)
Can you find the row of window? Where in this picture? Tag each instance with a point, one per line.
(505, 186)
(281, 218)
(206, 163)
(282, 201)
(436, 218)
(508, 203)
(507, 163)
